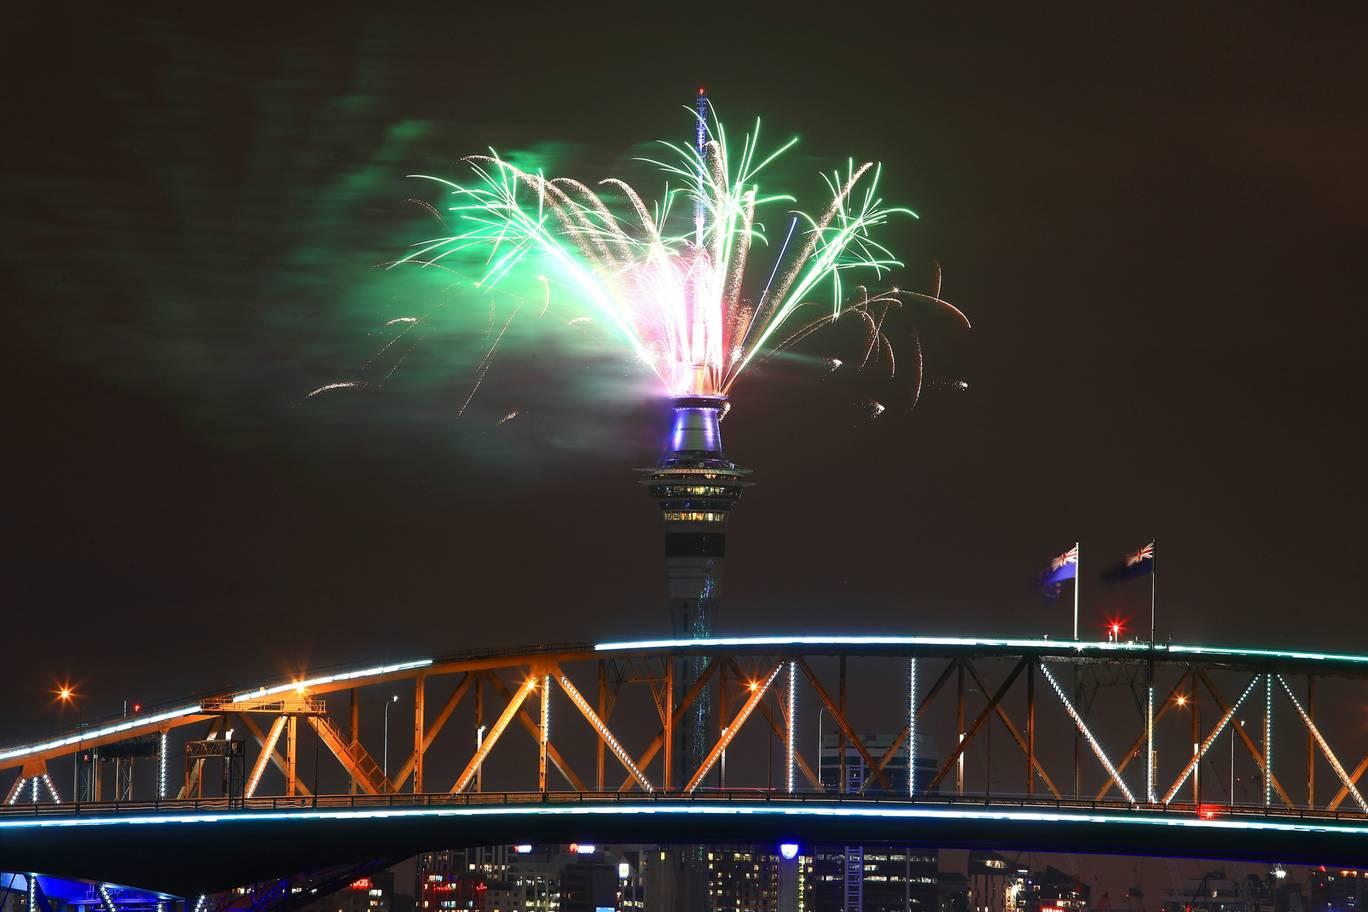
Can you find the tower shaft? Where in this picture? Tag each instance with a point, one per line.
(695, 487)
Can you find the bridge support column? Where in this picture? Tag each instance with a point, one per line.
(291, 754)
(959, 728)
(1030, 729)
(600, 746)
(840, 740)
(418, 747)
(1310, 742)
(669, 737)
(1196, 743)
(479, 728)
(355, 730)
(544, 731)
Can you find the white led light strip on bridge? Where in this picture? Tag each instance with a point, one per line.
(144, 721)
(1210, 740)
(792, 720)
(1325, 747)
(1090, 646)
(618, 751)
(1092, 742)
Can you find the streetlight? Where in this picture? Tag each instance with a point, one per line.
(385, 767)
(479, 767)
(1232, 762)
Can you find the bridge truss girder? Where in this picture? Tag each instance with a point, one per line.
(776, 671)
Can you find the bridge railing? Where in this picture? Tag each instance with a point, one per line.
(730, 797)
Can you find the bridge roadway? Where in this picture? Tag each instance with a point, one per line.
(188, 847)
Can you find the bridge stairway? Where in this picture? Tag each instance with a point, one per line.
(352, 755)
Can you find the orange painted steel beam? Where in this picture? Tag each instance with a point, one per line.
(779, 727)
(1021, 742)
(532, 728)
(508, 662)
(492, 738)
(275, 755)
(1139, 741)
(355, 731)
(756, 695)
(479, 724)
(543, 731)
(902, 735)
(360, 766)
(264, 757)
(978, 723)
(1311, 742)
(684, 703)
(667, 727)
(847, 731)
(1030, 729)
(432, 731)
(1247, 741)
(1344, 792)
(600, 727)
(419, 712)
(599, 745)
(291, 755)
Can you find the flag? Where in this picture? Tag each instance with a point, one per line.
(1138, 563)
(1064, 567)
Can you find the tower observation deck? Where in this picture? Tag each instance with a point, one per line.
(696, 487)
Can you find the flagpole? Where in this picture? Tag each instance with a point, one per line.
(1078, 578)
(1154, 584)
(1149, 697)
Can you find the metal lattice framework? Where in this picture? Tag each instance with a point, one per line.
(768, 682)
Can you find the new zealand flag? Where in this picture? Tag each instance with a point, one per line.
(1064, 567)
(1140, 563)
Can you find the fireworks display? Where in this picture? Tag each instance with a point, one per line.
(671, 276)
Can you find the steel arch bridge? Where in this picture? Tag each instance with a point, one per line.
(1091, 725)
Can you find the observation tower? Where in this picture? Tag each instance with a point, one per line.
(695, 486)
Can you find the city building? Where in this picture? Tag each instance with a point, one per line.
(373, 893)
(1215, 892)
(952, 892)
(1051, 890)
(527, 878)
(1337, 890)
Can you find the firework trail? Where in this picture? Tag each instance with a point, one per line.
(484, 365)
(669, 277)
(348, 384)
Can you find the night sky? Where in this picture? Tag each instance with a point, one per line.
(1155, 221)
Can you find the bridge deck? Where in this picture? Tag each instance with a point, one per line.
(158, 844)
